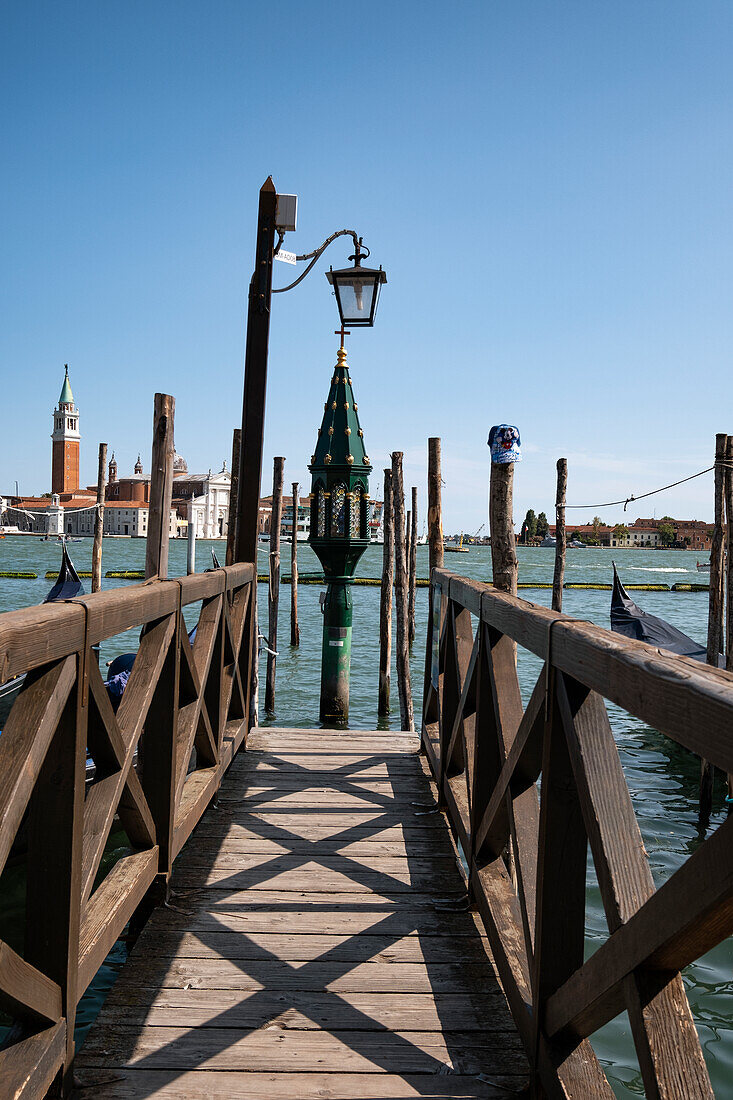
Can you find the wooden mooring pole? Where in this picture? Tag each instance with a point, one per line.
(273, 602)
(234, 499)
(715, 607)
(728, 494)
(403, 657)
(99, 519)
(161, 488)
(560, 534)
(385, 599)
(294, 627)
(436, 556)
(501, 522)
(412, 570)
(435, 513)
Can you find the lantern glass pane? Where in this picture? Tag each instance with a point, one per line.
(338, 511)
(356, 296)
(321, 514)
(355, 511)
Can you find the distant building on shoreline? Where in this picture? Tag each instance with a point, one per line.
(687, 534)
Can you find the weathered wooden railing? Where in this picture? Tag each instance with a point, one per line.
(526, 849)
(180, 696)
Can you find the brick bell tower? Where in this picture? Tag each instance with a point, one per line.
(66, 439)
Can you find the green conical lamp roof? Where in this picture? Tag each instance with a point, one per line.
(67, 397)
(340, 438)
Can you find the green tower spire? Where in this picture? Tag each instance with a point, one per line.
(67, 397)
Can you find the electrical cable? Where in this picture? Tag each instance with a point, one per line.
(642, 496)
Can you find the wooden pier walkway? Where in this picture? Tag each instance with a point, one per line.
(309, 947)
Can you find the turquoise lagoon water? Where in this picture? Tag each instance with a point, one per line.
(663, 778)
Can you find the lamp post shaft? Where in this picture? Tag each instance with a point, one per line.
(255, 379)
(336, 654)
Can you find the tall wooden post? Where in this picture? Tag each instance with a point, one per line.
(385, 600)
(191, 545)
(715, 607)
(501, 521)
(560, 534)
(255, 379)
(253, 418)
(728, 493)
(436, 556)
(273, 602)
(233, 498)
(294, 628)
(403, 656)
(161, 487)
(412, 569)
(435, 514)
(99, 519)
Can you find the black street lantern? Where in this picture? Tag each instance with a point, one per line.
(357, 290)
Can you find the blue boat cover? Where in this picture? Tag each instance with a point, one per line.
(68, 584)
(632, 622)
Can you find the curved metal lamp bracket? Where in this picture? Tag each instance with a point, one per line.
(361, 251)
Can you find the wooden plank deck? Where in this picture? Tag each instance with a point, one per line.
(313, 946)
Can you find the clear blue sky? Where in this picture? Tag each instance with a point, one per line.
(548, 185)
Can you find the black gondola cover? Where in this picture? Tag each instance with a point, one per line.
(68, 584)
(632, 622)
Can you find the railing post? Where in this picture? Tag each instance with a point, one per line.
(55, 845)
(158, 745)
(561, 869)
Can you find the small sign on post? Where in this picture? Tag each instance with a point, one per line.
(286, 257)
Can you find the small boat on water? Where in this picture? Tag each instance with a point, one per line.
(632, 622)
(703, 566)
(452, 548)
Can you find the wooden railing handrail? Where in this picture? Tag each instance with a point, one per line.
(33, 636)
(530, 790)
(159, 758)
(694, 709)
